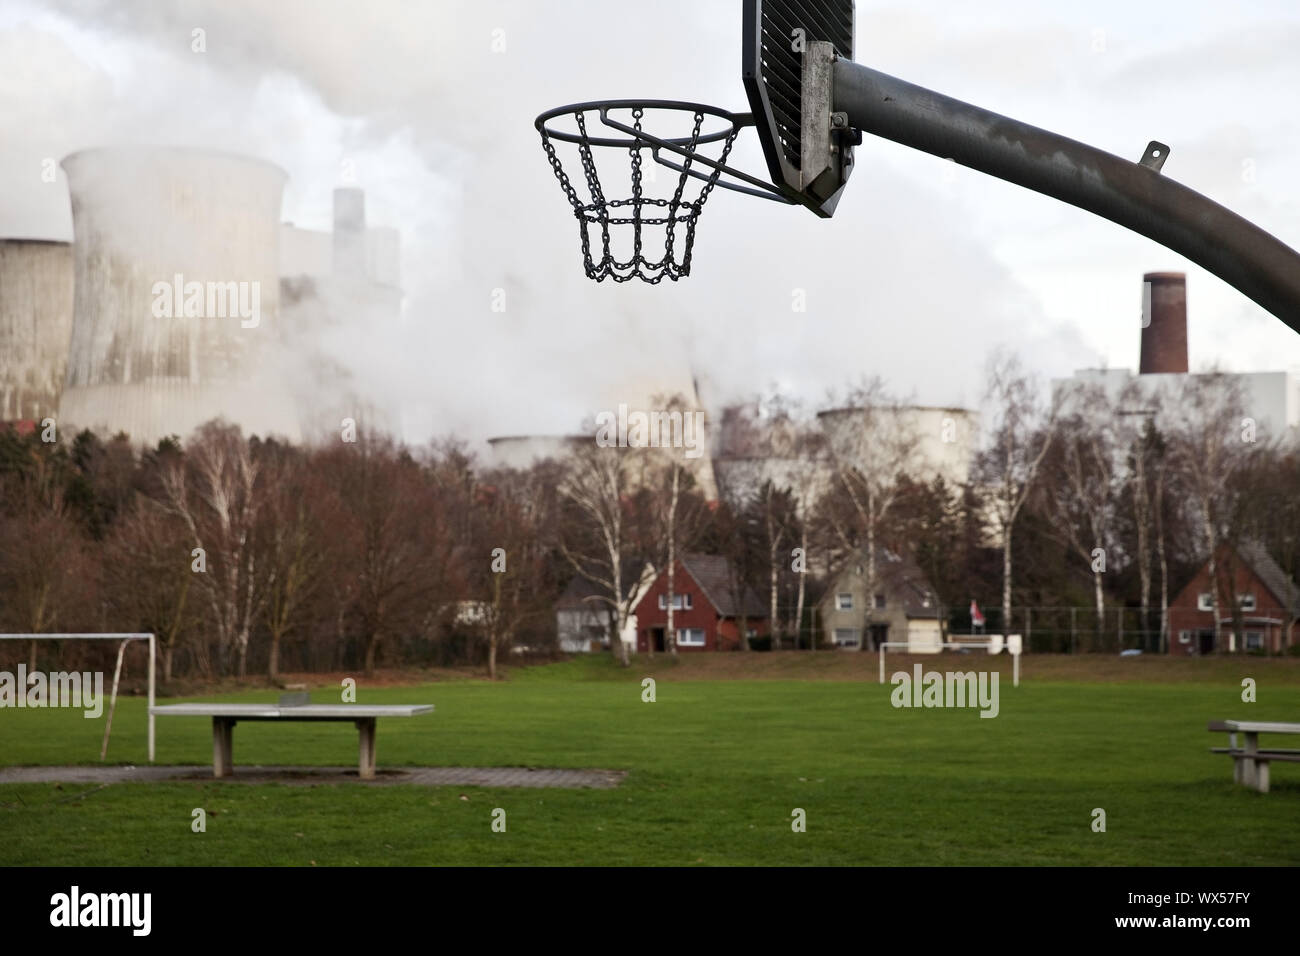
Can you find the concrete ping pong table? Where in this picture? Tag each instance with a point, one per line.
(225, 716)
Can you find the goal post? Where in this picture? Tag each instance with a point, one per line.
(100, 636)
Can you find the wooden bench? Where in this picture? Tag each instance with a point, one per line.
(1249, 762)
(225, 716)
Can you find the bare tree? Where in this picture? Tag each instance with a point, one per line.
(1080, 480)
(41, 564)
(1138, 433)
(1207, 445)
(517, 510)
(680, 511)
(764, 506)
(734, 530)
(1020, 434)
(807, 483)
(215, 492)
(149, 581)
(597, 537)
(398, 552)
(871, 443)
(294, 545)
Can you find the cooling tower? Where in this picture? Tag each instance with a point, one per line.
(524, 451)
(177, 294)
(35, 325)
(653, 391)
(941, 440)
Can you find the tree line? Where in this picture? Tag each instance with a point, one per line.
(249, 556)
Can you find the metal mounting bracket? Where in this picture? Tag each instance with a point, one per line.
(826, 157)
(1155, 155)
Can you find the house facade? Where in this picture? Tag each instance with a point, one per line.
(705, 614)
(584, 619)
(1250, 585)
(902, 607)
(582, 622)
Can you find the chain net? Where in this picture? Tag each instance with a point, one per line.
(626, 219)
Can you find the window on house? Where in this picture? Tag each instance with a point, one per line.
(1184, 637)
(880, 602)
(1205, 602)
(844, 602)
(1247, 602)
(1254, 640)
(847, 637)
(690, 637)
(679, 601)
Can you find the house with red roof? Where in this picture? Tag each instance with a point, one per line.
(707, 606)
(1251, 586)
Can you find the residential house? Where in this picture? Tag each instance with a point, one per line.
(1250, 584)
(901, 607)
(584, 620)
(705, 608)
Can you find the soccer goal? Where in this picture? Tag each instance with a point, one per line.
(993, 645)
(124, 639)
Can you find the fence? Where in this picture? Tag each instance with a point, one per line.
(1045, 629)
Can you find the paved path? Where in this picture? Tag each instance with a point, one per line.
(420, 776)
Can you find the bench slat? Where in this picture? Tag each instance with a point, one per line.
(1284, 755)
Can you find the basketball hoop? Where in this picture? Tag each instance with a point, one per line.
(633, 225)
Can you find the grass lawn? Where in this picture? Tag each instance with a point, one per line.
(731, 746)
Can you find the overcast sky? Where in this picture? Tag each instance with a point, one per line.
(925, 267)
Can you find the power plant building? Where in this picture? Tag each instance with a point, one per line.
(35, 326)
(183, 299)
(177, 289)
(1271, 399)
(335, 288)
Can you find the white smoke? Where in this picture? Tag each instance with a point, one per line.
(434, 120)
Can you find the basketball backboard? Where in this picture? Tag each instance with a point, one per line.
(789, 93)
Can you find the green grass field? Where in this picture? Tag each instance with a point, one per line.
(716, 765)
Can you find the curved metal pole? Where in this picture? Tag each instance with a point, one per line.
(1131, 194)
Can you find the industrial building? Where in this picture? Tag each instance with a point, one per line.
(524, 451)
(183, 298)
(336, 287)
(1272, 399)
(35, 325)
(940, 441)
(650, 394)
(149, 362)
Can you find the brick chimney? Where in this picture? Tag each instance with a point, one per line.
(1164, 323)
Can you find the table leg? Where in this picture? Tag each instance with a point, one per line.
(222, 746)
(366, 769)
(1249, 770)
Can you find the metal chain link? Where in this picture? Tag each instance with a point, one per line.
(677, 209)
